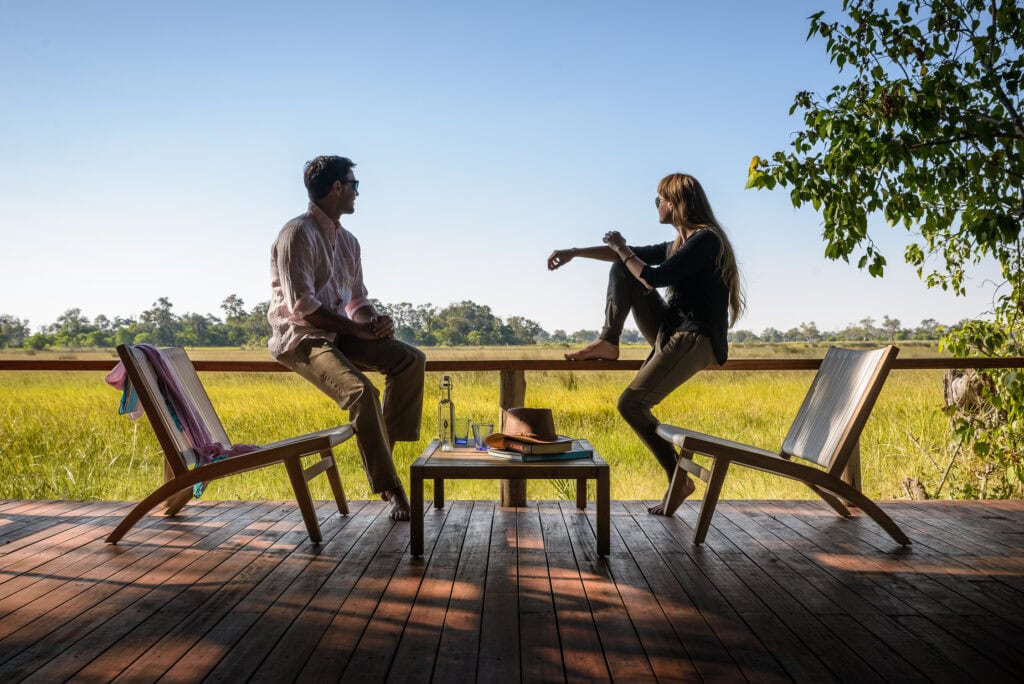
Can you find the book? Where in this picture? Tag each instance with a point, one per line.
(562, 445)
(576, 450)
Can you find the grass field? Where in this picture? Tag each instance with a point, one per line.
(61, 437)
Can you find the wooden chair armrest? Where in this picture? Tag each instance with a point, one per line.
(750, 456)
(335, 435)
(709, 445)
(303, 445)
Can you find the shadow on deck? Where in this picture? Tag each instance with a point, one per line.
(782, 590)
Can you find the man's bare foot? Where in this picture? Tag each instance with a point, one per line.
(601, 350)
(662, 508)
(399, 504)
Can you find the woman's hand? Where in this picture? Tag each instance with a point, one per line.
(614, 239)
(560, 257)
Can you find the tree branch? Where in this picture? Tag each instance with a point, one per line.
(1000, 94)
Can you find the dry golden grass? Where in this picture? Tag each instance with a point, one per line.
(61, 437)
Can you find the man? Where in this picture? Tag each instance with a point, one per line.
(326, 330)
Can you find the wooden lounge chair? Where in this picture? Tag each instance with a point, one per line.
(825, 433)
(180, 459)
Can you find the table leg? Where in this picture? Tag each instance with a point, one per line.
(438, 493)
(581, 493)
(416, 511)
(603, 512)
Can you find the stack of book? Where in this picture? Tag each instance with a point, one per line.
(524, 452)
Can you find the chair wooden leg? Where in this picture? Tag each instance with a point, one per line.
(871, 508)
(305, 501)
(334, 478)
(677, 489)
(718, 470)
(164, 492)
(831, 500)
(178, 501)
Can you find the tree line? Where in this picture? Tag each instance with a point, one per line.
(424, 325)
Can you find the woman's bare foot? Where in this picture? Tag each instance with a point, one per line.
(601, 350)
(662, 508)
(399, 504)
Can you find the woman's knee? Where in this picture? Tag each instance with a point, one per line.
(618, 270)
(631, 405)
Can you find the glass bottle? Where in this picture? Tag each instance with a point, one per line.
(445, 415)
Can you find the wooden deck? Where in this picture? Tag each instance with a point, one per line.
(783, 590)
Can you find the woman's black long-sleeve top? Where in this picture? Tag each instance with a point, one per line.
(698, 298)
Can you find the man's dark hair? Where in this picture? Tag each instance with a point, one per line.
(321, 173)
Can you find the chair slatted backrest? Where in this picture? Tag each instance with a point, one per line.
(837, 406)
(144, 379)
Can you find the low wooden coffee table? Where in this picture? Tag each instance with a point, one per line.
(466, 463)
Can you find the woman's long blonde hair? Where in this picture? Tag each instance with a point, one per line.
(692, 211)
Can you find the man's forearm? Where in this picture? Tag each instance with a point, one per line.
(364, 313)
(326, 319)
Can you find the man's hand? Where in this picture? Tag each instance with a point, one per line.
(363, 331)
(382, 326)
(325, 319)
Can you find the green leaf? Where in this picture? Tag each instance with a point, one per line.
(923, 134)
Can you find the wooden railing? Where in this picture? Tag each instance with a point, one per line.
(512, 384)
(520, 365)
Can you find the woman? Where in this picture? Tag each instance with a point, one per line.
(688, 332)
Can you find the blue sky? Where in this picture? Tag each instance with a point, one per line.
(154, 150)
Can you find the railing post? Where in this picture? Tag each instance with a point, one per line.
(512, 393)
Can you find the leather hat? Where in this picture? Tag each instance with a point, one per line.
(533, 425)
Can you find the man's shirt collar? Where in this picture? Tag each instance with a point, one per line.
(328, 226)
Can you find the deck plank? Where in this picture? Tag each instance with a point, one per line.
(357, 548)
(672, 537)
(218, 572)
(418, 648)
(109, 647)
(582, 657)
(623, 650)
(359, 592)
(374, 652)
(459, 648)
(782, 591)
(164, 643)
(540, 652)
(872, 625)
(697, 639)
(498, 658)
(81, 606)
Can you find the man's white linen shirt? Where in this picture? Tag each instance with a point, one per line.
(314, 263)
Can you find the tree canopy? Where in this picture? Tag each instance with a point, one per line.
(925, 128)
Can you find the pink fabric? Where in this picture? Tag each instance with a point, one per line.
(199, 438)
(314, 262)
(118, 378)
